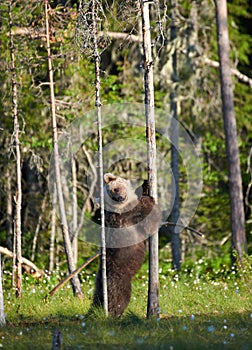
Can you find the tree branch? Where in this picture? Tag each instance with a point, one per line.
(169, 223)
(242, 77)
(122, 36)
(37, 33)
(25, 261)
(74, 273)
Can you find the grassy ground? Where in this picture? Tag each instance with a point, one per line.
(198, 310)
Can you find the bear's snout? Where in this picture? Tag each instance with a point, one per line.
(118, 196)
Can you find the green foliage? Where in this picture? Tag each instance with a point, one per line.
(240, 31)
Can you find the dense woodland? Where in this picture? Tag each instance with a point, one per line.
(198, 96)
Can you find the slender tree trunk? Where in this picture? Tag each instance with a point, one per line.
(75, 216)
(2, 315)
(63, 220)
(14, 258)
(91, 189)
(57, 250)
(17, 267)
(9, 207)
(175, 213)
(234, 171)
(35, 238)
(100, 153)
(53, 230)
(153, 292)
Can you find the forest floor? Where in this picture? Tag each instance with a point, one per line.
(198, 310)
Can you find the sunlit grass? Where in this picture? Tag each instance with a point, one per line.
(198, 310)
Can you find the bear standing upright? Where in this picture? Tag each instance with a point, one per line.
(130, 217)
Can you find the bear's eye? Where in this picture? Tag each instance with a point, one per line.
(116, 190)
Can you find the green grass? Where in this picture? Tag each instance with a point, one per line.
(198, 310)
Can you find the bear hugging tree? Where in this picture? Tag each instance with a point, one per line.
(131, 216)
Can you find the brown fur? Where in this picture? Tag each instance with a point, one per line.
(130, 220)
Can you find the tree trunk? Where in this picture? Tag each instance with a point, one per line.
(100, 153)
(53, 230)
(153, 297)
(175, 213)
(63, 220)
(2, 315)
(17, 266)
(9, 209)
(75, 214)
(234, 171)
(35, 238)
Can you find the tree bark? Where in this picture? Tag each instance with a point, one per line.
(75, 214)
(237, 217)
(9, 208)
(153, 291)
(53, 231)
(175, 213)
(100, 152)
(2, 315)
(63, 220)
(17, 266)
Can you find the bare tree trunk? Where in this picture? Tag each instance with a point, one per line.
(35, 238)
(90, 192)
(75, 216)
(2, 315)
(57, 251)
(63, 220)
(153, 292)
(175, 213)
(9, 208)
(14, 258)
(234, 171)
(17, 267)
(53, 230)
(100, 153)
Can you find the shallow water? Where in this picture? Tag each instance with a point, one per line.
(225, 331)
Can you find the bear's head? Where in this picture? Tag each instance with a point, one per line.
(118, 191)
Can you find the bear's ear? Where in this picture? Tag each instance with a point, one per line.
(109, 177)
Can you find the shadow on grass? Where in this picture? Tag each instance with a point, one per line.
(225, 331)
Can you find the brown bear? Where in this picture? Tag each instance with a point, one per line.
(130, 218)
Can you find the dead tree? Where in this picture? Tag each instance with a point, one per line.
(17, 247)
(237, 217)
(53, 230)
(95, 9)
(75, 212)
(63, 219)
(9, 209)
(153, 292)
(174, 136)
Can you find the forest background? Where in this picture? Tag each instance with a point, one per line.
(199, 100)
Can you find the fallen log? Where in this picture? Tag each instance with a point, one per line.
(34, 270)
